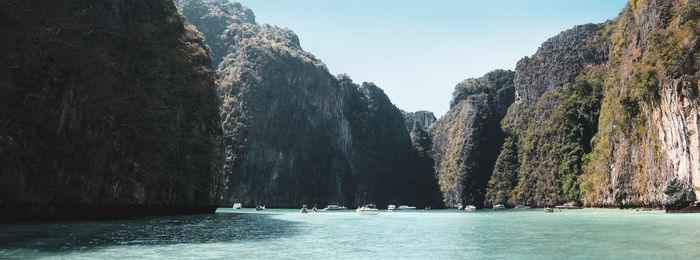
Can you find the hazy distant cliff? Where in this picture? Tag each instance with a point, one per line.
(107, 108)
(296, 134)
(418, 124)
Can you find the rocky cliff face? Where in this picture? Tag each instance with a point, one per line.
(558, 61)
(607, 114)
(296, 134)
(106, 109)
(418, 124)
(467, 139)
(646, 151)
(552, 120)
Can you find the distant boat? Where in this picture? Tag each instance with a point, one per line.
(237, 205)
(459, 206)
(567, 206)
(303, 209)
(314, 209)
(522, 207)
(499, 207)
(260, 207)
(549, 210)
(370, 209)
(404, 207)
(334, 207)
(391, 207)
(470, 208)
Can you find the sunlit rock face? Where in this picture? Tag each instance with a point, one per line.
(648, 145)
(606, 114)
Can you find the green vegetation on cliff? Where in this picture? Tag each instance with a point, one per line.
(552, 146)
(467, 139)
(500, 189)
(647, 136)
(606, 114)
(551, 122)
(115, 104)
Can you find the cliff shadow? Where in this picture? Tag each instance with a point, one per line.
(190, 229)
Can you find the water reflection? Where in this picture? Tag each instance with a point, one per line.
(192, 229)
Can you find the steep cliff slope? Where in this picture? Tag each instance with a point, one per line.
(293, 132)
(607, 114)
(106, 109)
(552, 120)
(646, 150)
(418, 125)
(467, 139)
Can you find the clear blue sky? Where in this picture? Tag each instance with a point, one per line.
(417, 51)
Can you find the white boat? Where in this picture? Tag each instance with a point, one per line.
(470, 208)
(237, 205)
(567, 206)
(404, 207)
(370, 209)
(499, 207)
(334, 207)
(391, 207)
(517, 207)
(304, 209)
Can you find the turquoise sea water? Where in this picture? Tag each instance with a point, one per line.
(419, 234)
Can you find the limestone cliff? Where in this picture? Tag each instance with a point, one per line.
(107, 109)
(552, 120)
(606, 114)
(296, 134)
(467, 139)
(646, 150)
(418, 124)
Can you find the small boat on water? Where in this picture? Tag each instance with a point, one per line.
(370, 209)
(518, 207)
(499, 207)
(405, 207)
(237, 205)
(260, 207)
(460, 207)
(391, 207)
(303, 209)
(470, 208)
(567, 206)
(314, 209)
(334, 207)
(548, 210)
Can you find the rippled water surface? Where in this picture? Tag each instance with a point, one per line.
(442, 234)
